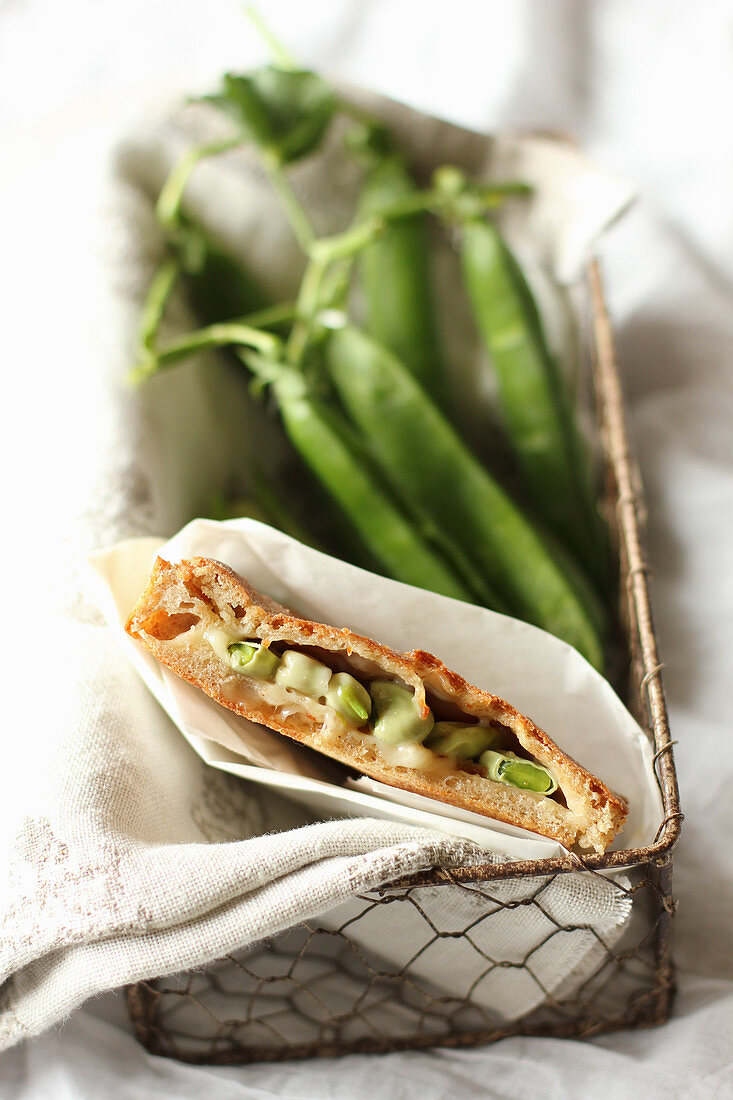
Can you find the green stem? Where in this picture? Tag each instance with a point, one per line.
(214, 336)
(297, 216)
(324, 254)
(306, 309)
(168, 206)
(431, 201)
(336, 284)
(268, 317)
(349, 243)
(357, 114)
(345, 246)
(160, 290)
(503, 190)
(361, 234)
(280, 55)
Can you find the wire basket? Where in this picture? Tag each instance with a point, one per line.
(321, 989)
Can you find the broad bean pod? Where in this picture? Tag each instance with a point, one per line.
(395, 275)
(423, 456)
(535, 401)
(333, 453)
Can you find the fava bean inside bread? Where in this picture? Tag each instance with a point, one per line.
(402, 718)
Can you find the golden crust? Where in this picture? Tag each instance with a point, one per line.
(202, 592)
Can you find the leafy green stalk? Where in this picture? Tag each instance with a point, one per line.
(280, 55)
(161, 287)
(205, 339)
(170, 200)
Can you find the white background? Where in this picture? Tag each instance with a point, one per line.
(646, 87)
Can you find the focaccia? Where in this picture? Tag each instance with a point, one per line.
(402, 718)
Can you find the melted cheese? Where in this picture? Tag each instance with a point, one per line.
(219, 640)
(415, 756)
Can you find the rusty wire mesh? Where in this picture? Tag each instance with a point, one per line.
(327, 987)
(317, 990)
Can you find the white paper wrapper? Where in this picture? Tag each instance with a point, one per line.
(539, 674)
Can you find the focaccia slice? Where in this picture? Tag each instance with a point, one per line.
(192, 612)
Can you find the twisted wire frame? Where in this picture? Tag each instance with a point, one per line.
(323, 988)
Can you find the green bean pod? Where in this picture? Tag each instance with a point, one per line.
(395, 276)
(424, 458)
(535, 402)
(328, 447)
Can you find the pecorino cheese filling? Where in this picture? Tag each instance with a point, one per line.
(383, 710)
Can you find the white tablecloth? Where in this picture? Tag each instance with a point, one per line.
(646, 89)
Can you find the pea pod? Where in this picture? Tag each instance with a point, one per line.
(372, 526)
(534, 400)
(422, 455)
(326, 444)
(395, 276)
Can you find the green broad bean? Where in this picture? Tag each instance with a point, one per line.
(253, 660)
(461, 739)
(505, 767)
(349, 699)
(396, 718)
(303, 673)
